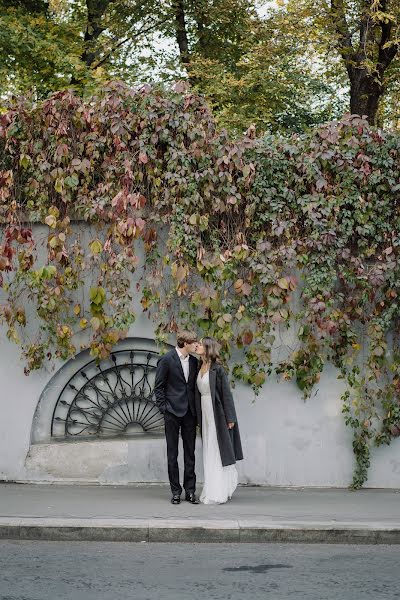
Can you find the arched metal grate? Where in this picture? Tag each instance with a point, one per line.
(114, 398)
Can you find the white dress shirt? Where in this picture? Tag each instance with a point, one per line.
(184, 362)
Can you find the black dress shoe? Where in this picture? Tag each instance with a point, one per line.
(175, 499)
(192, 499)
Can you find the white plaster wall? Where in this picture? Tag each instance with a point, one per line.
(286, 441)
(18, 398)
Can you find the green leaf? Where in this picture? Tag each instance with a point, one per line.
(95, 323)
(24, 161)
(97, 295)
(259, 378)
(283, 283)
(204, 324)
(203, 223)
(59, 185)
(71, 181)
(51, 221)
(96, 246)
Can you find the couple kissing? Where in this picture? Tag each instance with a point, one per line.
(191, 391)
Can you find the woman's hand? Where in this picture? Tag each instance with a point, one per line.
(231, 425)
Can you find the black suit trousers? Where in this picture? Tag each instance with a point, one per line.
(186, 425)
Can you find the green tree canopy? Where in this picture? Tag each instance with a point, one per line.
(250, 69)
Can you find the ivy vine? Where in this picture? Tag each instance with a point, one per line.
(245, 239)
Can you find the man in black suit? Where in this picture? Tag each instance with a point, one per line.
(174, 390)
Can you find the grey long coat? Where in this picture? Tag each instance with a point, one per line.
(224, 412)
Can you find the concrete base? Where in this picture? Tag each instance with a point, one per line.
(116, 462)
(194, 532)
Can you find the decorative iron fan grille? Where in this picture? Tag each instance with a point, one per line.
(110, 399)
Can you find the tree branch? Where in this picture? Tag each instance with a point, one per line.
(386, 54)
(122, 42)
(342, 29)
(366, 26)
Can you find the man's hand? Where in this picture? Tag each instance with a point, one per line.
(231, 425)
(160, 383)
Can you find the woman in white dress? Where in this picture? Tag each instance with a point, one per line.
(216, 416)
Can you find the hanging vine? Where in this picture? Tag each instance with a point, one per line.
(243, 239)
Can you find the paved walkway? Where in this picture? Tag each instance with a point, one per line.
(144, 513)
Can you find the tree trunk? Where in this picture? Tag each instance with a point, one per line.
(96, 10)
(365, 94)
(201, 23)
(181, 33)
(367, 61)
(95, 13)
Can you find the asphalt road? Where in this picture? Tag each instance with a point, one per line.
(114, 571)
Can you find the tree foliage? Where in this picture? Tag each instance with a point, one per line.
(252, 69)
(275, 84)
(365, 34)
(243, 239)
(36, 52)
(47, 46)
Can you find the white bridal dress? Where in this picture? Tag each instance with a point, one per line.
(219, 482)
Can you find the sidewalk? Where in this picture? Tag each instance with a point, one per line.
(143, 513)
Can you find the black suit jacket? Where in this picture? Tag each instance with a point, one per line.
(172, 392)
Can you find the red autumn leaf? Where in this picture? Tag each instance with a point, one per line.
(247, 337)
(140, 223)
(180, 87)
(246, 289)
(137, 200)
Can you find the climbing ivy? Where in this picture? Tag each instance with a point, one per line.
(255, 241)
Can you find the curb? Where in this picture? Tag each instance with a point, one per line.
(193, 531)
